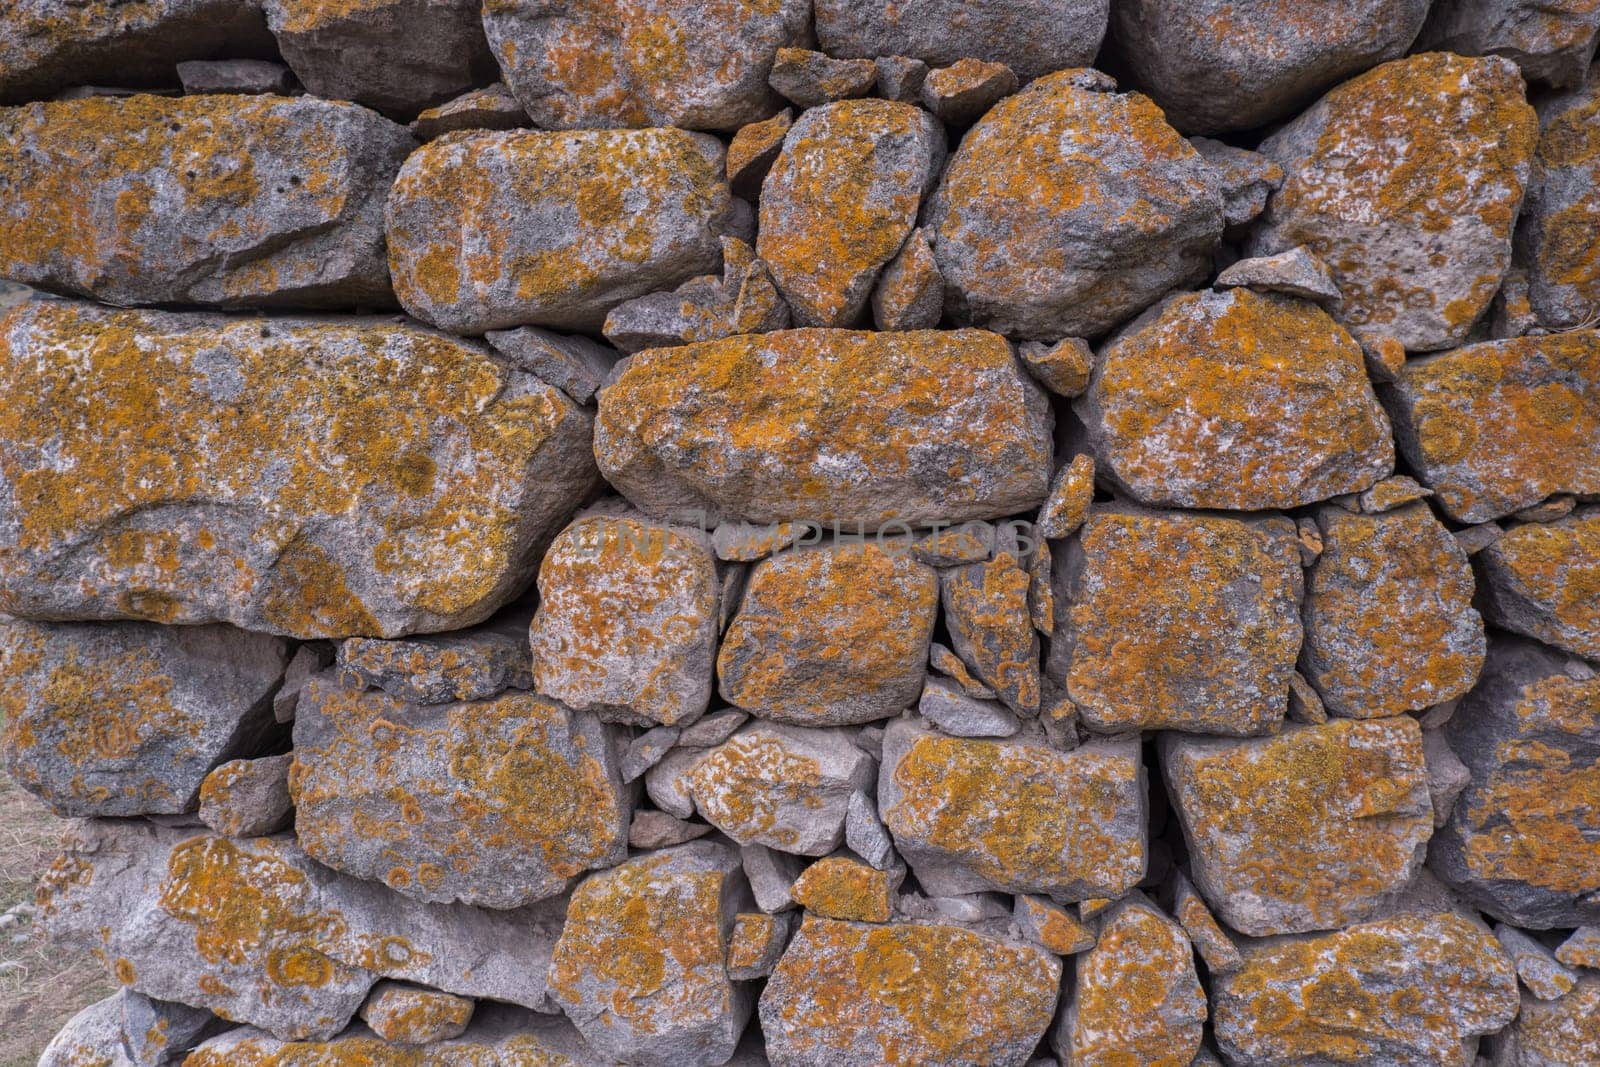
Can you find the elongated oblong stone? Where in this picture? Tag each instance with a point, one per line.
(233, 201)
(829, 425)
(299, 477)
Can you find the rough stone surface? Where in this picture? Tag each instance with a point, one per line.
(1297, 272)
(986, 611)
(233, 201)
(1378, 186)
(1063, 368)
(1173, 620)
(910, 294)
(46, 45)
(122, 719)
(951, 711)
(498, 229)
(1552, 43)
(641, 967)
(841, 887)
(627, 620)
(1543, 580)
(398, 56)
(252, 76)
(157, 1033)
(576, 365)
(859, 995)
(1236, 399)
(1218, 950)
(1536, 965)
(1067, 209)
(756, 943)
(248, 797)
(286, 476)
(440, 669)
(814, 79)
(1313, 829)
(490, 108)
(1032, 37)
(959, 93)
(828, 426)
(612, 63)
(1410, 989)
(1051, 926)
(1216, 65)
(785, 787)
(1554, 241)
(1495, 427)
(1554, 1033)
(1523, 842)
(1448, 777)
(1245, 179)
(1136, 995)
(1388, 613)
(92, 1037)
(410, 1015)
(1015, 815)
(1582, 949)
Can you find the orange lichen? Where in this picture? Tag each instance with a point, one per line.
(1137, 999)
(743, 786)
(1552, 571)
(519, 1050)
(986, 609)
(837, 887)
(414, 1016)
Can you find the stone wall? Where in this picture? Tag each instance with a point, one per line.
(837, 533)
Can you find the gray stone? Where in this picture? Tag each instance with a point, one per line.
(646, 750)
(743, 300)
(1211, 941)
(752, 152)
(1447, 775)
(93, 1036)
(1407, 266)
(1540, 580)
(1051, 926)
(772, 875)
(1022, 255)
(1244, 178)
(668, 782)
(398, 56)
(699, 65)
(576, 365)
(1063, 368)
(490, 108)
(248, 76)
(758, 940)
(1014, 815)
(865, 833)
(1536, 965)
(232, 201)
(841, 200)
(307, 477)
(509, 228)
(657, 829)
(1552, 43)
(641, 967)
(410, 1015)
(986, 611)
(1582, 949)
(309, 659)
(812, 79)
(129, 718)
(1559, 215)
(248, 797)
(47, 45)
(1214, 65)
(1552, 1033)
(714, 729)
(158, 1033)
(1297, 272)
(967, 88)
(1033, 37)
(473, 664)
(1523, 842)
(900, 78)
(947, 707)
(910, 293)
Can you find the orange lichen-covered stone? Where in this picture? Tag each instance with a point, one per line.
(1309, 830)
(1176, 620)
(1523, 842)
(641, 967)
(470, 664)
(1406, 182)
(830, 635)
(1495, 427)
(1410, 990)
(128, 719)
(1388, 613)
(627, 620)
(1014, 815)
(986, 610)
(1543, 580)
(1136, 997)
(1069, 207)
(411, 1015)
(248, 797)
(1554, 1033)
(697, 64)
(838, 887)
(234, 201)
(1238, 400)
(47, 45)
(841, 200)
(829, 426)
(1552, 43)
(311, 478)
(906, 995)
(497, 803)
(1555, 233)
(489, 230)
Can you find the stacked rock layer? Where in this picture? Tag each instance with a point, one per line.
(820, 533)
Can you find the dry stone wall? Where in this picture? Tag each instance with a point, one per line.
(823, 533)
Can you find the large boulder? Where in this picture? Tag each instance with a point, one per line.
(496, 229)
(849, 994)
(129, 718)
(498, 803)
(1543, 580)
(641, 966)
(1555, 242)
(841, 199)
(831, 426)
(46, 45)
(1496, 427)
(1236, 399)
(1388, 613)
(1406, 182)
(831, 635)
(1553, 43)
(1032, 37)
(700, 65)
(1016, 815)
(1312, 829)
(1523, 842)
(1068, 208)
(313, 478)
(1216, 65)
(232, 201)
(398, 56)
(1179, 621)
